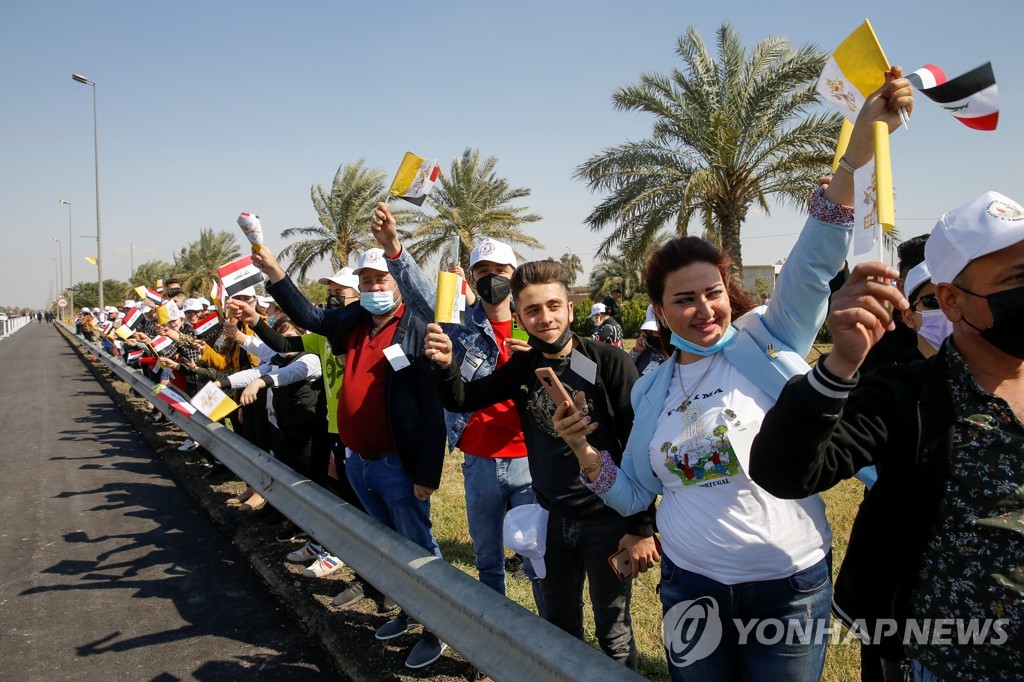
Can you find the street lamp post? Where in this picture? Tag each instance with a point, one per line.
(71, 260)
(56, 278)
(96, 147)
(60, 254)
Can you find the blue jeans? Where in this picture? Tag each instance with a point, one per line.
(578, 548)
(386, 491)
(786, 607)
(493, 486)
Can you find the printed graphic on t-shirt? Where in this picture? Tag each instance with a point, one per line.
(699, 455)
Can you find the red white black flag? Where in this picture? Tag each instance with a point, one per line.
(972, 98)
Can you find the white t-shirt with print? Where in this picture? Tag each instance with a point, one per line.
(713, 519)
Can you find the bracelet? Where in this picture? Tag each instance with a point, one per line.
(591, 468)
(846, 165)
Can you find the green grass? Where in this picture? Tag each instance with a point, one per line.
(448, 513)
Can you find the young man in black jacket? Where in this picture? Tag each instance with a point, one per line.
(582, 532)
(937, 548)
(388, 414)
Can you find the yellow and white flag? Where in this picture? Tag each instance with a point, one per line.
(414, 179)
(451, 298)
(873, 210)
(90, 259)
(213, 402)
(855, 70)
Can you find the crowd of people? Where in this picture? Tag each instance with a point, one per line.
(714, 411)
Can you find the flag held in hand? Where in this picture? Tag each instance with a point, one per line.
(972, 99)
(414, 179)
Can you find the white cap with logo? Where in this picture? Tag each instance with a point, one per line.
(597, 309)
(988, 224)
(373, 259)
(493, 251)
(345, 277)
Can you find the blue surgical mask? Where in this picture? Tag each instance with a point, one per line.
(270, 320)
(378, 302)
(682, 344)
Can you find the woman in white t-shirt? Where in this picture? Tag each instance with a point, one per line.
(746, 577)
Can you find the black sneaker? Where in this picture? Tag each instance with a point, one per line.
(426, 651)
(352, 594)
(396, 627)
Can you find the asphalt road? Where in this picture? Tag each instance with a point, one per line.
(107, 570)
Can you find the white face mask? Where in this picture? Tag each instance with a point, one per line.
(935, 327)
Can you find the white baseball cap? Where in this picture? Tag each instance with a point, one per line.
(373, 259)
(345, 277)
(650, 322)
(128, 303)
(494, 251)
(203, 302)
(86, 310)
(918, 276)
(264, 301)
(985, 225)
(526, 533)
(597, 309)
(192, 305)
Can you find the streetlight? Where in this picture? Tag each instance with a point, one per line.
(60, 253)
(55, 274)
(71, 260)
(96, 146)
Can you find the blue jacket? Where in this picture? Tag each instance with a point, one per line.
(474, 338)
(414, 412)
(789, 323)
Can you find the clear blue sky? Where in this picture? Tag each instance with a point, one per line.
(207, 109)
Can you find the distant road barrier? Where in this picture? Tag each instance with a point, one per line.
(497, 635)
(13, 324)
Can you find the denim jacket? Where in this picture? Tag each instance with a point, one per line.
(788, 323)
(473, 343)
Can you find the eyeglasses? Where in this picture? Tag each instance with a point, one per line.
(929, 301)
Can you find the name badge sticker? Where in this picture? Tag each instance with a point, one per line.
(396, 356)
(583, 366)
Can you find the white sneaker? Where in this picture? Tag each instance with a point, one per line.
(324, 565)
(308, 552)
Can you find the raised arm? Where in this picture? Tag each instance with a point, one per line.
(798, 307)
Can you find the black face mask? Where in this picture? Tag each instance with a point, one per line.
(1007, 330)
(494, 288)
(654, 341)
(335, 301)
(553, 347)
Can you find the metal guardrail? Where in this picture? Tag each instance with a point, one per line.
(13, 324)
(498, 636)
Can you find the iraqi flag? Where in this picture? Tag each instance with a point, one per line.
(414, 179)
(972, 98)
(175, 400)
(855, 70)
(238, 275)
(207, 323)
(132, 318)
(134, 356)
(161, 344)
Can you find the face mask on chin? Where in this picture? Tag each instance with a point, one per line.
(1007, 330)
(551, 347)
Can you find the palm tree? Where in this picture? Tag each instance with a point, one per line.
(146, 275)
(572, 263)
(198, 262)
(616, 271)
(728, 134)
(344, 215)
(474, 203)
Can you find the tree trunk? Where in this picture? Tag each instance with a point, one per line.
(730, 220)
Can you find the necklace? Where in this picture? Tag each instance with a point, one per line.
(688, 395)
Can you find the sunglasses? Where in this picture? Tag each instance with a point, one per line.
(929, 301)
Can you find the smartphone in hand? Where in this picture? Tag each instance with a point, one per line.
(549, 380)
(621, 564)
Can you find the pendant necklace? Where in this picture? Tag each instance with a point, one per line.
(688, 395)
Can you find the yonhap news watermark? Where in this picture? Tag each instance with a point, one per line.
(693, 630)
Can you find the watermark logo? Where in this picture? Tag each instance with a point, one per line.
(692, 631)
